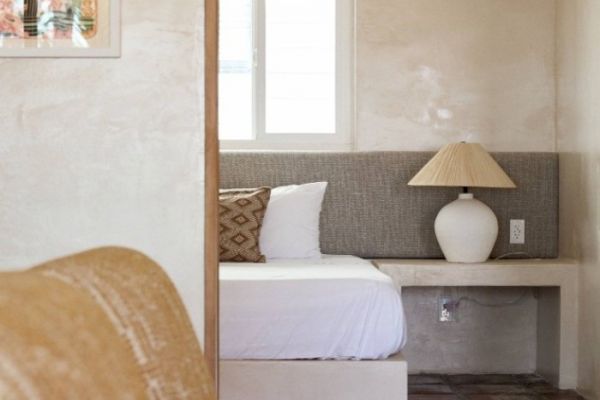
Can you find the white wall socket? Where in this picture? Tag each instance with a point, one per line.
(447, 309)
(517, 231)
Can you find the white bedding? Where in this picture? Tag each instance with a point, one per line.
(337, 307)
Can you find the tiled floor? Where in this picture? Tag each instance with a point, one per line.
(484, 387)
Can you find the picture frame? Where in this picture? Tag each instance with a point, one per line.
(60, 28)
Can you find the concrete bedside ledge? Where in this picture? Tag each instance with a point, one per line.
(556, 280)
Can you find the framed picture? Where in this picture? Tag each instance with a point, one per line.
(60, 28)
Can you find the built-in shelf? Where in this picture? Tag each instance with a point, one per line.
(557, 301)
(529, 272)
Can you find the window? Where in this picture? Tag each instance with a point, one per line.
(285, 73)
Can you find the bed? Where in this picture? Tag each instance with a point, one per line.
(369, 212)
(336, 307)
(325, 329)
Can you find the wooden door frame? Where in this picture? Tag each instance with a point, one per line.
(211, 188)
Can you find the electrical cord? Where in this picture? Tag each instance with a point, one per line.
(514, 253)
(504, 304)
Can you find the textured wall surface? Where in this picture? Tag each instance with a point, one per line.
(484, 340)
(110, 151)
(578, 87)
(431, 72)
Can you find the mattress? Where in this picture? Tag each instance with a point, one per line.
(336, 307)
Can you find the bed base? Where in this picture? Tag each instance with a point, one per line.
(313, 379)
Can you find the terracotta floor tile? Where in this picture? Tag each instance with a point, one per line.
(429, 389)
(433, 397)
(493, 379)
(501, 397)
(421, 379)
(562, 395)
(530, 378)
(485, 387)
(541, 388)
(491, 389)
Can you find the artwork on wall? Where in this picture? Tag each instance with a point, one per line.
(59, 28)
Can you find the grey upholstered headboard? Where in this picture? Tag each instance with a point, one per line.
(370, 212)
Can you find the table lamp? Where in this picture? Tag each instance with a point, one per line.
(466, 229)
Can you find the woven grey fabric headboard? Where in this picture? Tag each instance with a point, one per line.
(370, 212)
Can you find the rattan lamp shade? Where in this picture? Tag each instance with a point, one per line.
(464, 165)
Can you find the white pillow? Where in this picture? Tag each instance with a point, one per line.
(290, 227)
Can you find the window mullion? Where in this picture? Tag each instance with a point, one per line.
(259, 70)
(344, 106)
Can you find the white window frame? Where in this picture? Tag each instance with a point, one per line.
(342, 139)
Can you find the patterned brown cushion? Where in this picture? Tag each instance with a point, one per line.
(241, 213)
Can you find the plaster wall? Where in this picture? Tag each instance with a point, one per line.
(110, 151)
(578, 90)
(483, 340)
(430, 72)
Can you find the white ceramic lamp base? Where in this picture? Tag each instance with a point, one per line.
(466, 230)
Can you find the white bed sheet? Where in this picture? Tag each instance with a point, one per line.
(336, 307)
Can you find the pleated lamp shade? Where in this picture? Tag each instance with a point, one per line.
(464, 165)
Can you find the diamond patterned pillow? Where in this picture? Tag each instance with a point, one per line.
(241, 213)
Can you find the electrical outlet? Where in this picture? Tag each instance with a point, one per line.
(447, 310)
(517, 231)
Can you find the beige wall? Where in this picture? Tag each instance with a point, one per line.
(431, 72)
(110, 151)
(484, 340)
(578, 60)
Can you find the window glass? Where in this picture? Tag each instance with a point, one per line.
(235, 70)
(300, 55)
